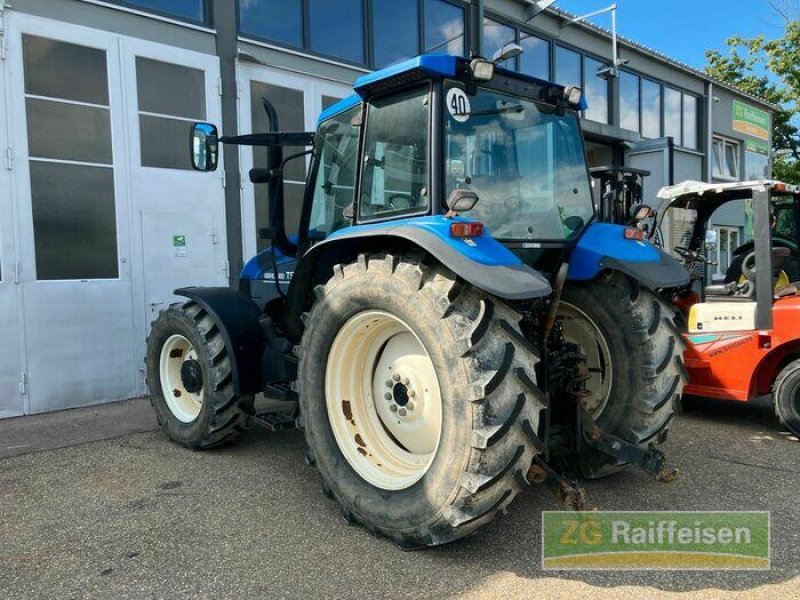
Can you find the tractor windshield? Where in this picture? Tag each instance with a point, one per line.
(525, 162)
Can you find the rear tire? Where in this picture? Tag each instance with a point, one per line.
(640, 388)
(190, 380)
(786, 393)
(489, 404)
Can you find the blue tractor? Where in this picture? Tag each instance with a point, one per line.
(450, 321)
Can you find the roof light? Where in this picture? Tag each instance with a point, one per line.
(466, 230)
(482, 70)
(573, 94)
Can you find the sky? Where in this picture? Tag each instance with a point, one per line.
(683, 29)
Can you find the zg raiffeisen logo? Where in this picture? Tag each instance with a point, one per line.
(655, 540)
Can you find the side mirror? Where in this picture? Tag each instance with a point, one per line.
(204, 146)
(461, 201)
(639, 212)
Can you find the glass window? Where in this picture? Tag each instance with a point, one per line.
(393, 43)
(289, 106)
(756, 166)
(85, 138)
(444, 28)
(596, 91)
(61, 70)
(535, 60)
(74, 221)
(177, 96)
(337, 28)
(277, 20)
(495, 36)
(73, 206)
(336, 161)
(169, 89)
(568, 67)
(395, 174)
(689, 121)
(328, 101)
(526, 165)
(194, 10)
(725, 163)
(628, 101)
(672, 114)
(651, 109)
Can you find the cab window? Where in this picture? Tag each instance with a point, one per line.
(394, 180)
(334, 186)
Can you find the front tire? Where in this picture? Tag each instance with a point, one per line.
(635, 360)
(786, 393)
(477, 405)
(190, 380)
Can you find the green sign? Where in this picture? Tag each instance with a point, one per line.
(655, 540)
(757, 146)
(750, 120)
(179, 241)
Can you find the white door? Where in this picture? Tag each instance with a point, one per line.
(178, 213)
(298, 101)
(67, 109)
(11, 394)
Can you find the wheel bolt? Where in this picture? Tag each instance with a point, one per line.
(405, 381)
(396, 377)
(411, 392)
(402, 412)
(388, 383)
(388, 396)
(411, 406)
(393, 408)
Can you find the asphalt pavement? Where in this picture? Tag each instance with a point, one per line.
(96, 503)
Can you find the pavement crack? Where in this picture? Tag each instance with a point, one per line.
(734, 461)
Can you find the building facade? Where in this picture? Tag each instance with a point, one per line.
(102, 215)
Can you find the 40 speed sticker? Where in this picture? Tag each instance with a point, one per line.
(458, 104)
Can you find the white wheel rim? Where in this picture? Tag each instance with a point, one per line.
(183, 404)
(580, 329)
(383, 400)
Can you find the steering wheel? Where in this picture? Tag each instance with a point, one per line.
(687, 254)
(749, 267)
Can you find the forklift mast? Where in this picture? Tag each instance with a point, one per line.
(620, 189)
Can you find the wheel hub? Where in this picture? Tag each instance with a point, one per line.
(192, 376)
(383, 398)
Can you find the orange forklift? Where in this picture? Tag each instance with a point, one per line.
(743, 335)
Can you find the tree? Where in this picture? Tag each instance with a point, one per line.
(767, 68)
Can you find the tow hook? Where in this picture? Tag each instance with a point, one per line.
(568, 493)
(652, 461)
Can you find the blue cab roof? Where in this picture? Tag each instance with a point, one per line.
(432, 65)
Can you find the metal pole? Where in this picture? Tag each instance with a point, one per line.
(615, 64)
(762, 235)
(227, 50)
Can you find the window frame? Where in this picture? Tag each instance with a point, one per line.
(208, 11)
(359, 218)
(726, 142)
(368, 34)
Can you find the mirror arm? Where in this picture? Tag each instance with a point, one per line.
(273, 139)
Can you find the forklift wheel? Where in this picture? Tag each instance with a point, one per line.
(189, 376)
(418, 400)
(787, 397)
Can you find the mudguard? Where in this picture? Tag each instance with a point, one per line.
(237, 318)
(482, 261)
(603, 246)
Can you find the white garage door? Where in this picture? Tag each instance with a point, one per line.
(99, 131)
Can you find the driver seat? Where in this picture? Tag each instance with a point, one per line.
(736, 291)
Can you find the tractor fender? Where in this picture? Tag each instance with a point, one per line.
(482, 261)
(604, 247)
(237, 318)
